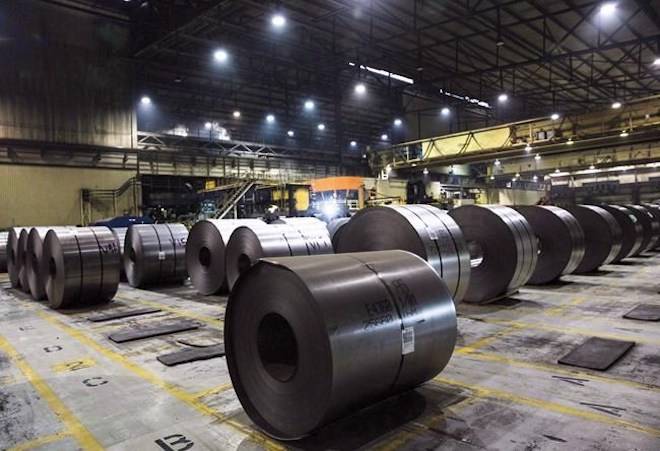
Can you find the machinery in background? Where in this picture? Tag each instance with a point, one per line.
(123, 221)
(337, 197)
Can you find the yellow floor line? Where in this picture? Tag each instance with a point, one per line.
(486, 341)
(561, 309)
(568, 330)
(155, 380)
(549, 406)
(40, 441)
(178, 311)
(485, 356)
(213, 390)
(85, 438)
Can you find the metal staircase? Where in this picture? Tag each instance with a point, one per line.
(234, 198)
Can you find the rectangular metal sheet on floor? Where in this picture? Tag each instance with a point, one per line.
(123, 314)
(597, 353)
(155, 331)
(191, 355)
(644, 312)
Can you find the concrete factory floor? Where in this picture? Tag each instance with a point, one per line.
(64, 385)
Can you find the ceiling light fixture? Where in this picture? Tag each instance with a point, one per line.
(291, 133)
(321, 127)
(360, 89)
(145, 100)
(220, 55)
(502, 98)
(384, 137)
(236, 114)
(353, 143)
(623, 134)
(554, 116)
(537, 157)
(445, 111)
(398, 122)
(616, 105)
(270, 118)
(278, 20)
(608, 9)
(309, 105)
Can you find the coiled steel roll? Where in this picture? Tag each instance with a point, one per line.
(4, 237)
(654, 209)
(311, 339)
(603, 236)
(81, 266)
(424, 230)
(503, 250)
(633, 233)
(650, 227)
(336, 228)
(206, 252)
(13, 256)
(33, 261)
(248, 244)
(120, 235)
(22, 257)
(560, 241)
(154, 254)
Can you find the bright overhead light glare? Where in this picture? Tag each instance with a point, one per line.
(608, 9)
(321, 127)
(656, 62)
(364, 155)
(270, 118)
(492, 177)
(353, 143)
(309, 105)
(445, 111)
(554, 116)
(278, 20)
(570, 141)
(398, 122)
(513, 179)
(220, 55)
(528, 148)
(616, 105)
(360, 88)
(517, 174)
(502, 98)
(388, 168)
(592, 167)
(623, 134)
(236, 114)
(208, 125)
(426, 171)
(537, 157)
(557, 171)
(535, 178)
(384, 137)
(291, 133)
(497, 162)
(145, 100)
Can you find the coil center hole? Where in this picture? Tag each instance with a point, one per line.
(52, 267)
(205, 257)
(476, 253)
(278, 348)
(244, 263)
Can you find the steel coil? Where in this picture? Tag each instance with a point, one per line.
(502, 247)
(311, 339)
(154, 254)
(650, 226)
(120, 235)
(632, 231)
(81, 266)
(654, 209)
(560, 241)
(206, 252)
(22, 254)
(13, 256)
(603, 236)
(248, 244)
(4, 237)
(424, 230)
(33, 261)
(336, 228)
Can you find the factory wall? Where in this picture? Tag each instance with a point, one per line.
(35, 195)
(65, 80)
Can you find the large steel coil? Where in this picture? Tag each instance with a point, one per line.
(4, 237)
(22, 257)
(502, 247)
(311, 339)
(248, 244)
(603, 236)
(206, 252)
(81, 266)
(560, 241)
(633, 233)
(336, 228)
(13, 256)
(424, 230)
(650, 226)
(120, 235)
(654, 209)
(154, 254)
(33, 261)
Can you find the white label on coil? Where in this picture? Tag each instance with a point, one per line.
(407, 340)
(161, 255)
